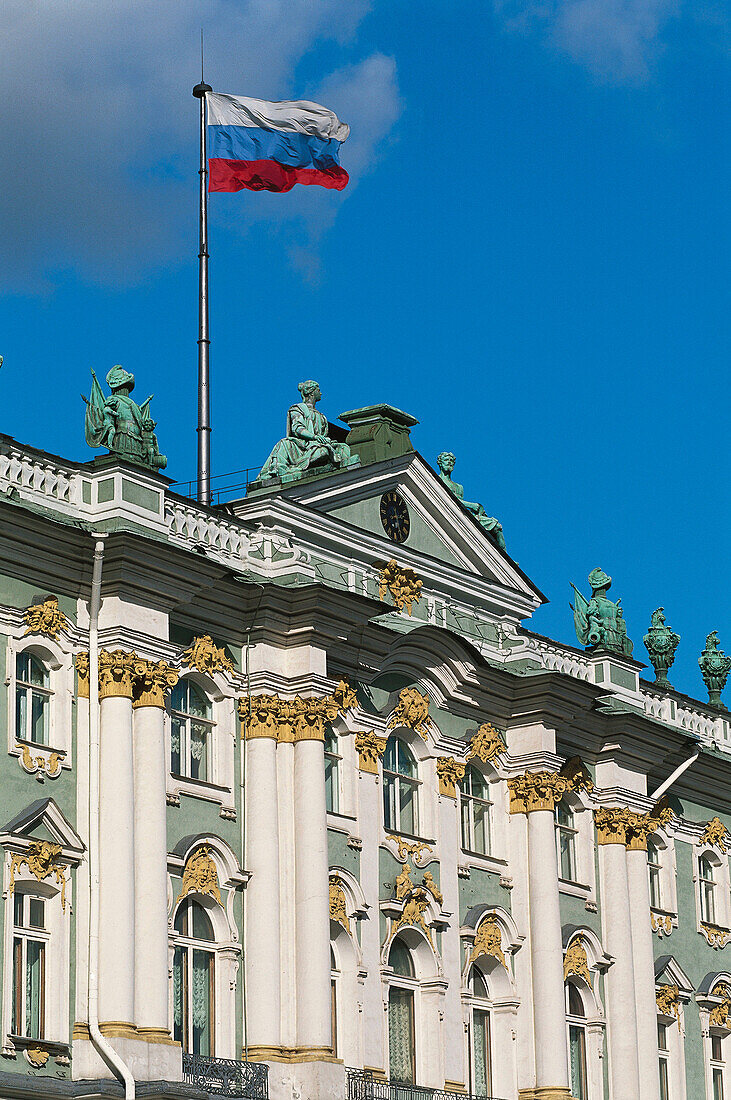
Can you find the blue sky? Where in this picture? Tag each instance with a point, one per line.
(532, 258)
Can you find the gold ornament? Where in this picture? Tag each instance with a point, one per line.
(661, 923)
(450, 773)
(41, 859)
(412, 710)
(410, 848)
(51, 766)
(203, 654)
(537, 791)
(345, 696)
(403, 584)
(81, 661)
(286, 720)
(200, 875)
(45, 618)
(576, 772)
(152, 682)
(37, 1056)
(370, 748)
(429, 884)
(416, 905)
(668, 1000)
(720, 1014)
(487, 744)
(575, 960)
(404, 885)
(715, 937)
(716, 833)
(116, 673)
(488, 941)
(338, 904)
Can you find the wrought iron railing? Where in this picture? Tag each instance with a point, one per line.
(225, 1077)
(362, 1085)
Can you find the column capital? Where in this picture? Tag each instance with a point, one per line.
(152, 681)
(620, 825)
(81, 661)
(116, 673)
(450, 773)
(537, 791)
(288, 720)
(370, 748)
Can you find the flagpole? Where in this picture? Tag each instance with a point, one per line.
(204, 401)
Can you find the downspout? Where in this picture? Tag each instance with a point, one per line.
(105, 1049)
(242, 773)
(675, 775)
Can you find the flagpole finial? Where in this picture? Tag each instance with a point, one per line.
(200, 90)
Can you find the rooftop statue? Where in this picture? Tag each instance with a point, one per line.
(599, 621)
(120, 424)
(307, 442)
(446, 463)
(661, 643)
(715, 667)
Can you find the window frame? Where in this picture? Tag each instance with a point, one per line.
(717, 1065)
(467, 803)
(23, 934)
(577, 1023)
(409, 985)
(333, 758)
(26, 689)
(185, 720)
(483, 1005)
(392, 782)
(58, 666)
(224, 734)
(572, 831)
(189, 945)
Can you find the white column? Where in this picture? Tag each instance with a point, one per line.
(369, 815)
(644, 968)
(312, 902)
(455, 1070)
(549, 1013)
(151, 902)
(624, 1070)
(116, 854)
(262, 897)
(81, 893)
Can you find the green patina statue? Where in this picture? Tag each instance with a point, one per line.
(446, 463)
(599, 622)
(120, 424)
(661, 643)
(715, 667)
(307, 442)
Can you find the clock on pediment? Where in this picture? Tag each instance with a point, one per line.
(395, 516)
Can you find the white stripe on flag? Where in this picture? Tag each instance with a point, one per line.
(298, 116)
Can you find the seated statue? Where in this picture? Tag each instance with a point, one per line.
(446, 462)
(119, 423)
(307, 442)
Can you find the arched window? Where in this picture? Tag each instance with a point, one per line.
(476, 812)
(30, 941)
(332, 772)
(32, 696)
(566, 841)
(194, 980)
(654, 869)
(576, 1035)
(707, 882)
(190, 731)
(401, 1037)
(480, 1039)
(400, 785)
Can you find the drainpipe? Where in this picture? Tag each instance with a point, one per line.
(675, 775)
(242, 774)
(105, 1049)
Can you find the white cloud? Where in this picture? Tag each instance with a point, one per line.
(100, 130)
(617, 39)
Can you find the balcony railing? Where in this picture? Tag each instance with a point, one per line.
(362, 1085)
(225, 1077)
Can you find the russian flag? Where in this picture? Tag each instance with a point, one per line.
(265, 146)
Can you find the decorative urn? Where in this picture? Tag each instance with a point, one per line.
(661, 643)
(715, 667)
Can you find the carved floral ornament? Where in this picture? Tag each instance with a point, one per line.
(450, 772)
(661, 923)
(200, 875)
(289, 720)
(403, 584)
(41, 859)
(414, 849)
(370, 748)
(45, 618)
(412, 710)
(668, 1000)
(715, 937)
(617, 825)
(125, 675)
(338, 903)
(488, 941)
(204, 655)
(487, 744)
(40, 765)
(37, 1056)
(575, 960)
(720, 1014)
(716, 834)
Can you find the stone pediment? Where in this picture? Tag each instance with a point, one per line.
(42, 820)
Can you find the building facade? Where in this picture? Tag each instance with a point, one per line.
(289, 782)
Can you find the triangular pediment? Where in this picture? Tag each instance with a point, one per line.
(43, 820)
(440, 527)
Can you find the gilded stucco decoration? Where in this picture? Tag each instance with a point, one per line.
(40, 765)
(404, 885)
(716, 834)
(535, 791)
(152, 682)
(200, 875)
(45, 618)
(487, 744)
(429, 884)
(370, 748)
(575, 960)
(577, 773)
(287, 720)
(412, 710)
(668, 1000)
(37, 1056)
(345, 696)
(415, 906)
(488, 941)
(81, 662)
(620, 825)
(715, 936)
(41, 859)
(661, 923)
(403, 584)
(720, 1014)
(450, 772)
(414, 848)
(116, 673)
(206, 656)
(338, 903)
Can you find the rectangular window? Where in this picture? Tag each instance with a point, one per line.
(481, 1052)
(577, 1062)
(664, 1079)
(29, 968)
(401, 1036)
(718, 1093)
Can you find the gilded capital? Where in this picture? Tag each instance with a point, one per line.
(613, 824)
(450, 773)
(152, 682)
(286, 720)
(81, 661)
(537, 791)
(639, 827)
(370, 748)
(116, 673)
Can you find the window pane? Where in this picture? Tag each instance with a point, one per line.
(407, 807)
(654, 873)
(21, 713)
(406, 765)
(36, 913)
(331, 784)
(401, 1035)
(399, 958)
(465, 815)
(198, 751)
(18, 909)
(198, 704)
(662, 1036)
(389, 804)
(716, 1048)
(334, 1015)
(481, 1051)
(390, 755)
(481, 823)
(664, 1083)
(22, 667)
(575, 1003)
(35, 958)
(718, 1093)
(39, 705)
(202, 1004)
(177, 733)
(479, 989)
(17, 987)
(202, 927)
(577, 1058)
(179, 997)
(566, 855)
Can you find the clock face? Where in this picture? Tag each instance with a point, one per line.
(395, 516)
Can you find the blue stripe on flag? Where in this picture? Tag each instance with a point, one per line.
(293, 149)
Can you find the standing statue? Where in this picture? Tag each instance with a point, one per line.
(599, 621)
(446, 463)
(307, 442)
(715, 667)
(661, 643)
(120, 424)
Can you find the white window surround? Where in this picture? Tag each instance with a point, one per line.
(58, 662)
(710, 1062)
(496, 859)
(665, 847)
(221, 782)
(675, 1057)
(426, 791)
(722, 891)
(428, 987)
(594, 1024)
(585, 886)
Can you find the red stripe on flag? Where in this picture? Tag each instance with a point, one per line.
(269, 175)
